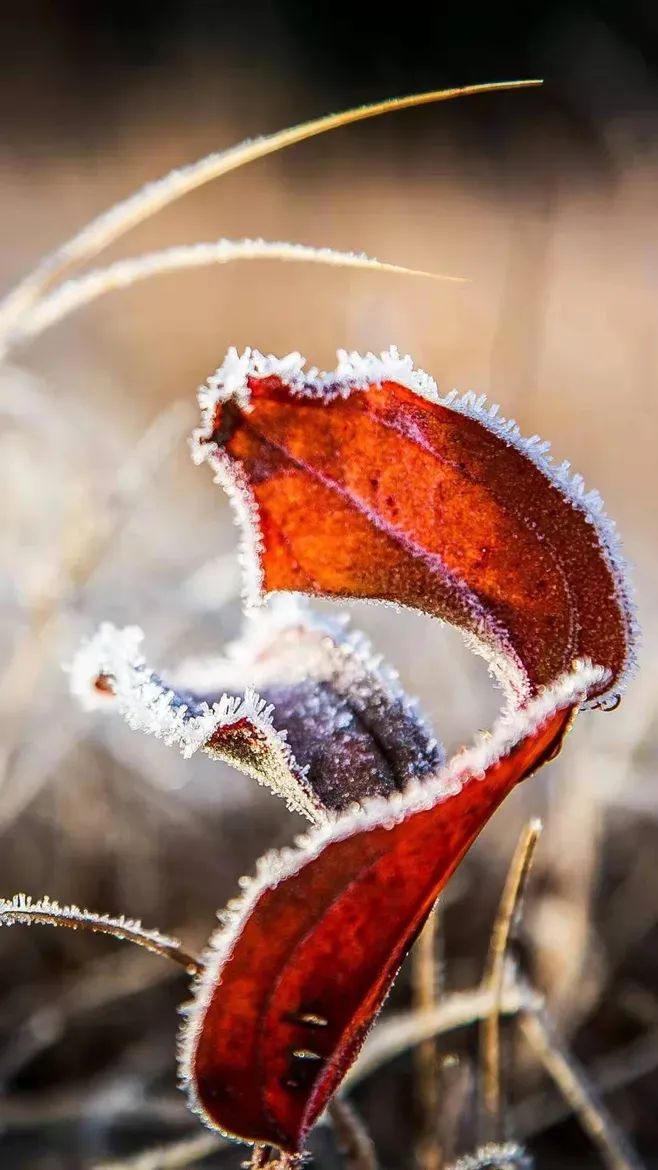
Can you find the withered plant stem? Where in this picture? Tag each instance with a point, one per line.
(22, 911)
(507, 919)
(426, 976)
(577, 1089)
(353, 1139)
(115, 222)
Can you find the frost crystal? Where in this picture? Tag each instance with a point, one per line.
(493, 1156)
(328, 724)
(110, 670)
(25, 910)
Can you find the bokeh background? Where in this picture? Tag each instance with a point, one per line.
(546, 200)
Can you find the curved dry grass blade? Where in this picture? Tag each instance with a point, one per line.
(403, 1031)
(173, 1156)
(73, 294)
(573, 1083)
(354, 1141)
(426, 975)
(112, 224)
(507, 918)
(22, 910)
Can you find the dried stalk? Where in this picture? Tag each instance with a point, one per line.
(174, 1156)
(354, 1141)
(425, 981)
(22, 910)
(115, 222)
(507, 919)
(578, 1091)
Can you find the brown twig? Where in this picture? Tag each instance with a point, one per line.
(507, 919)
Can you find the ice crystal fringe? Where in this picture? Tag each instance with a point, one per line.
(356, 372)
(495, 1157)
(283, 642)
(148, 705)
(22, 909)
(510, 728)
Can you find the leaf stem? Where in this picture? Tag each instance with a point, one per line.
(22, 910)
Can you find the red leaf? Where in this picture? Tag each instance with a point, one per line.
(365, 483)
(396, 494)
(297, 974)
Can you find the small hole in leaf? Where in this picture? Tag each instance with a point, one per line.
(225, 422)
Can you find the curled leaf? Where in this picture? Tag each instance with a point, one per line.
(435, 503)
(300, 704)
(301, 965)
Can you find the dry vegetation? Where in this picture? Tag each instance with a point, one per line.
(103, 516)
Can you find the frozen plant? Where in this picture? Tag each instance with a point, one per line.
(364, 482)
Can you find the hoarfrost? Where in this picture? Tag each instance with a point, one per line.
(26, 911)
(327, 725)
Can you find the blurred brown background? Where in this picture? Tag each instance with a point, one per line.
(546, 200)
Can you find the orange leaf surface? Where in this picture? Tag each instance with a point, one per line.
(365, 483)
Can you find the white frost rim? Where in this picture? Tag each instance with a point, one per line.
(146, 704)
(306, 645)
(301, 646)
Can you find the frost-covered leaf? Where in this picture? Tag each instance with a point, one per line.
(366, 483)
(297, 972)
(301, 704)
